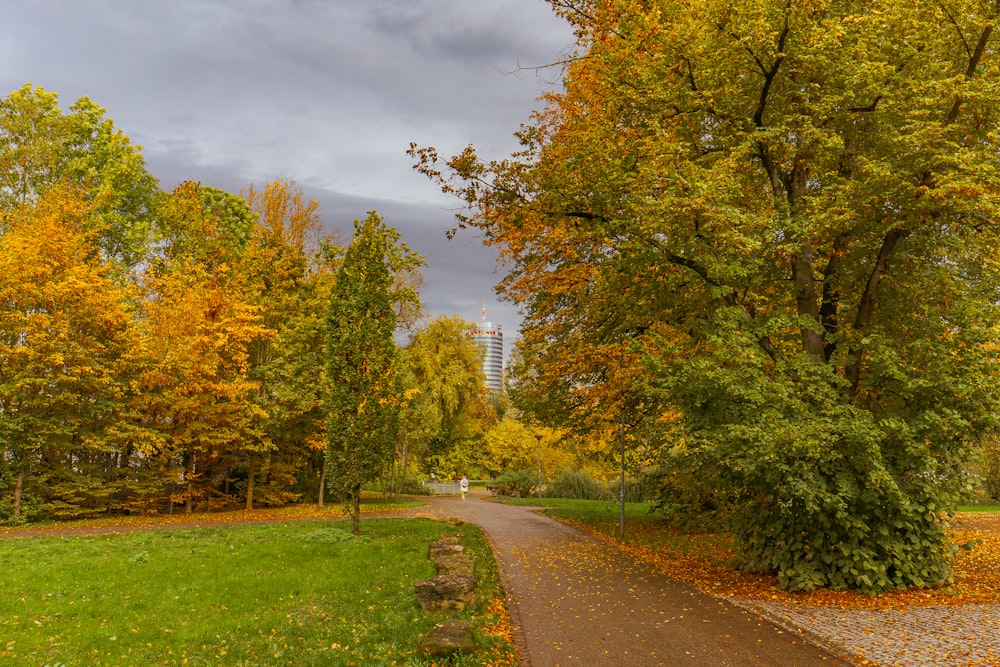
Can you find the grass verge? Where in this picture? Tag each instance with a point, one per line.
(302, 512)
(990, 509)
(302, 593)
(707, 560)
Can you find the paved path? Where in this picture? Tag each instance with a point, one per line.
(576, 601)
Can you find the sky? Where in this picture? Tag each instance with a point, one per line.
(327, 92)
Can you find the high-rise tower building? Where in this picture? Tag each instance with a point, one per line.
(490, 341)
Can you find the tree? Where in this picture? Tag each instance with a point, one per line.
(195, 392)
(64, 329)
(787, 210)
(442, 376)
(41, 147)
(364, 393)
(289, 367)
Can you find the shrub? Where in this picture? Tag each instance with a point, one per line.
(576, 485)
(689, 500)
(514, 483)
(636, 490)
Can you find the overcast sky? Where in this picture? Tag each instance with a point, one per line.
(327, 92)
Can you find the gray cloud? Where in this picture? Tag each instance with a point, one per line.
(328, 92)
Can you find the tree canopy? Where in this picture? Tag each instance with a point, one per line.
(364, 393)
(784, 215)
(41, 147)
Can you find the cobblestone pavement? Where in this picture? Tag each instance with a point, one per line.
(937, 636)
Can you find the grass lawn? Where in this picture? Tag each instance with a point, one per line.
(297, 593)
(992, 509)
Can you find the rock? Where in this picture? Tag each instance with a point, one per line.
(440, 548)
(454, 563)
(446, 591)
(447, 638)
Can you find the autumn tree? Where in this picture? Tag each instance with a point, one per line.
(195, 394)
(364, 393)
(41, 146)
(787, 209)
(288, 281)
(64, 328)
(442, 377)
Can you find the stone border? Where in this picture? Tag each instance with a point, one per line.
(453, 589)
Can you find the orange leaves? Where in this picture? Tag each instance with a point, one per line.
(286, 216)
(499, 625)
(63, 322)
(705, 561)
(148, 521)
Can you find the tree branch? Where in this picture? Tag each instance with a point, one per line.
(866, 307)
(970, 71)
(831, 297)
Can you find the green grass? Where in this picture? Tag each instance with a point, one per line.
(992, 509)
(265, 594)
(642, 525)
(587, 511)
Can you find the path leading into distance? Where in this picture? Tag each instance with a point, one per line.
(575, 600)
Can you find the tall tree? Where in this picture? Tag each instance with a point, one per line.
(290, 291)
(199, 325)
(442, 377)
(788, 210)
(64, 328)
(41, 146)
(364, 391)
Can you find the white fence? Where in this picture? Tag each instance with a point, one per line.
(443, 488)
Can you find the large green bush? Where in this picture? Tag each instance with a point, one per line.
(576, 485)
(637, 490)
(514, 483)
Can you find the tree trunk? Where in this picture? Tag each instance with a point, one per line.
(356, 510)
(808, 303)
(18, 492)
(866, 307)
(188, 505)
(251, 473)
(322, 482)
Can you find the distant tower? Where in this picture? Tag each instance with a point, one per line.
(490, 340)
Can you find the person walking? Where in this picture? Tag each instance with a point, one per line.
(464, 485)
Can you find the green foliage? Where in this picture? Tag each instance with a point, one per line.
(787, 209)
(442, 385)
(231, 216)
(41, 147)
(205, 223)
(363, 392)
(822, 493)
(686, 494)
(515, 483)
(577, 485)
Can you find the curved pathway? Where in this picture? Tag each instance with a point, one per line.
(576, 601)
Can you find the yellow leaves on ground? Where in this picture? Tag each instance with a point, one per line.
(703, 560)
(305, 512)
